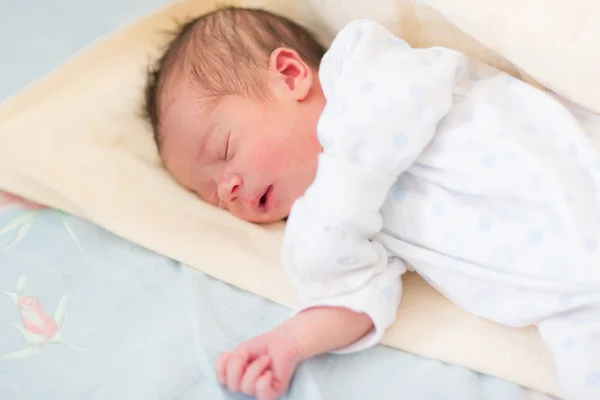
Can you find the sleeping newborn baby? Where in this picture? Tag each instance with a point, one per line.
(385, 159)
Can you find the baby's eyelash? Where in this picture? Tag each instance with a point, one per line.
(226, 147)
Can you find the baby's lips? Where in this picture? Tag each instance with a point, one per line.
(257, 201)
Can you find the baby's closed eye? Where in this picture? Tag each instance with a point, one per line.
(226, 147)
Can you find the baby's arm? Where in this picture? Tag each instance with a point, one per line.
(324, 329)
(263, 366)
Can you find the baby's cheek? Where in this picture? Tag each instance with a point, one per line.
(279, 156)
(272, 157)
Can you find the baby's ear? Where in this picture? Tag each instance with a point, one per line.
(292, 71)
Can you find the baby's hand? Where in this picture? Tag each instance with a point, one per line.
(261, 367)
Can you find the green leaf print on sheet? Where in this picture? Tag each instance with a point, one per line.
(21, 224)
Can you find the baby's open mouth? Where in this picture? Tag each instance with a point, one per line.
(265, 197)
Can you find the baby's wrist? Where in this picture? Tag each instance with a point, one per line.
(289, 335)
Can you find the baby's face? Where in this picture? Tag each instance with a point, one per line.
(254, 159)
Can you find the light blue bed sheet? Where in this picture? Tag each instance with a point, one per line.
(87, 315)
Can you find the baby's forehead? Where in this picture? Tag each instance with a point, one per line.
(183, 107)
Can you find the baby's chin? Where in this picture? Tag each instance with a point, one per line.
(267, 219)
(262, 218)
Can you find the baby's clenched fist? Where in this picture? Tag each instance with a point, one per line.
(261, 367)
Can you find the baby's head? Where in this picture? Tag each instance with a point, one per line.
(234, 104)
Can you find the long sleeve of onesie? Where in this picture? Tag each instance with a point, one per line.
(384, 101)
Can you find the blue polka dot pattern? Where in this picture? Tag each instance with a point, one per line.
(569, 196)
(417, 90)
(367, 87)
(389, 292)
(358, 34)
(569, 343)
(593, 379)
(485, 224)
(536, 237)
(398, 194)
(400, 140)
(592, 244)
(438, 209)
(439, 149)
(489, 161)
(395, 42)
(354, 129)
(572, 150)
(566, 300)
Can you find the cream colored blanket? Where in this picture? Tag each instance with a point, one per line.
(74, 141)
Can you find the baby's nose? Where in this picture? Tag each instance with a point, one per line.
(228, 188)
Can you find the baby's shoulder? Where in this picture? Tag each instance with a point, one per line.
(360, 29)
(355, 46)
(368, 34)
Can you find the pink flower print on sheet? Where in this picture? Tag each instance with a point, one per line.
(34, 319)
(38, 328)
(9, 199)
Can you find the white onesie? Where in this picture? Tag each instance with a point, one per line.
(487, 187)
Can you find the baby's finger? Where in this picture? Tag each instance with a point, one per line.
(235, 369)
(221, 367)
(253, 372)
(264, 387)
